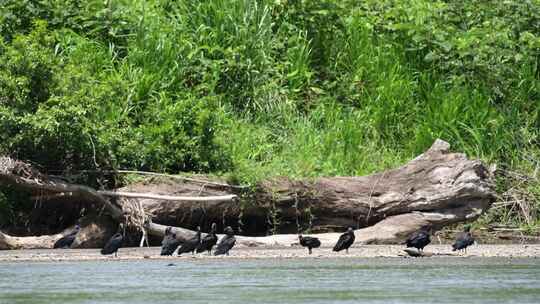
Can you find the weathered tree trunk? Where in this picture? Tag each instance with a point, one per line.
(93, 234)
(437, 187)
(28, 242)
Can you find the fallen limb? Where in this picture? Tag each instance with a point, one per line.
(220, 198)
(94, 233)
(30, 242)
(443, 187)
(24, 176)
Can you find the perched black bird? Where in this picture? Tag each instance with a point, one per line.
(191, 244)
(67, 240)
(169, 243)
(208, 241)
(226, 243)
(464, 239)
(345, 241)
(309, 242)
(114, 243)
(420, 238)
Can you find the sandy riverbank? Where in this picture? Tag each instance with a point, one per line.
(361, 251)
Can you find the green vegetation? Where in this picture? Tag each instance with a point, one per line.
(255, 89)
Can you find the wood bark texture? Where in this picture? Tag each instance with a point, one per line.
(438, 188)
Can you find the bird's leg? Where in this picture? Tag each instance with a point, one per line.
(347, 250)
(227, 253)
(116, 254)
(309, 249)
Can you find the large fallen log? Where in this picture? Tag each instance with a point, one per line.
(93, 234)
(438, 187)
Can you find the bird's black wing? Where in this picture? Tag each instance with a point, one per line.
(226, 244)
(166, 239)
(113, 244)
(416, 238)
(470, 239)
(458, 245)
(207, 243)
(65, 242)
(316, 243)
(312, 242)
(188, 246)
(463, 240)
(345, 241)
(169, 245)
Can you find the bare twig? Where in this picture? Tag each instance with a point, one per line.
(93, 151)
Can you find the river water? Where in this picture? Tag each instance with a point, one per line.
(306, 280)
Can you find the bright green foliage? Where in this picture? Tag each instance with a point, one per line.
(255, 89)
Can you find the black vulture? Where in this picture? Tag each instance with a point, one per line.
(345, 241)
(420, 238)
(226, 243)
(464, 239)
(114, 243)
(67, 240)
(191, 244)
(170, 243)
(309, 242)
(208, 241)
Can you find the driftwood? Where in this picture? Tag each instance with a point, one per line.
(23, 176)
(437, 187)
(28, 242)
(94, 233)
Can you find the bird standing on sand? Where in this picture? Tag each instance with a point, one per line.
(345, 241)
(170, 243)
(191, 244)
(114, 243)
(309, 242)
(420, 238)
(208, 241)
(226, 243)
(67, 240)
(464, 239)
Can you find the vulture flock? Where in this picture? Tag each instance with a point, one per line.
(171, 244)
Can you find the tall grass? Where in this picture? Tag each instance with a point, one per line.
(258, 89)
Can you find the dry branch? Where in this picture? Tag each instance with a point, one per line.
(24, 176)
(220, 198)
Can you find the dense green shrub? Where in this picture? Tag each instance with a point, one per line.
(66, 105)
(255, 89)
